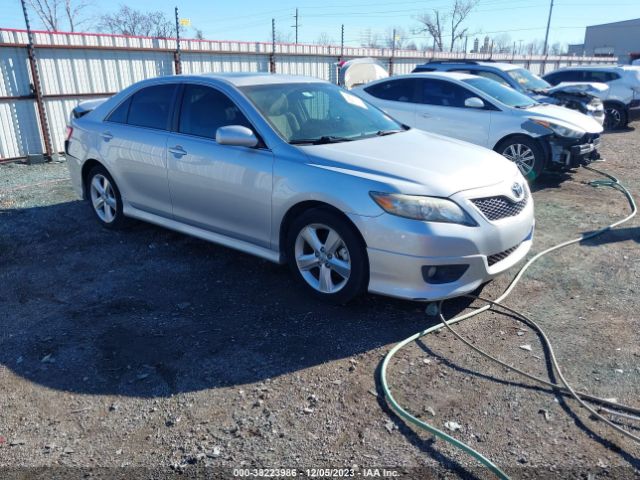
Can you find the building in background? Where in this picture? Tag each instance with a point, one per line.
(621, 39)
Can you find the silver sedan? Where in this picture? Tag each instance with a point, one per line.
(298, 171)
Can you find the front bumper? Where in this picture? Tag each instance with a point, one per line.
(571, 153)
(401, 251)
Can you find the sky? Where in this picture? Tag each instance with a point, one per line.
(250, 20)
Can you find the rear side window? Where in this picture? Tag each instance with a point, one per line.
(566, 76)
(444, 94)
(205, 109)
(402, 90)
(151, 107)
(120, 114)
(604, 77)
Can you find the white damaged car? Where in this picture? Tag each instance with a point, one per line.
(482, 111)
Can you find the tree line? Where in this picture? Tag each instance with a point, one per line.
(439, 29)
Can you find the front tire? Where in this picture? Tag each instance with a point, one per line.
(327, 256)
(104, 198)
(526, 153)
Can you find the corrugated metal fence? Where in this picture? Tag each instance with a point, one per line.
(80, 66)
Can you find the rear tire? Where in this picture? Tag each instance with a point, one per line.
(526, 153)
(615, 117)
(327, 256)
(104, 198)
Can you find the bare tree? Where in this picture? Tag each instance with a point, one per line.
(400, 39)
(434, 23)
(370, 39)
(74, 11)
(128, 21)
(48, 11)
(52, 13)
(502, 43)
(282, 37)
(324, 39)
(535, 47)
(198, 34)
(557, 48)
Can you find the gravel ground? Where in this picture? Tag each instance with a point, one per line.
(146, 353)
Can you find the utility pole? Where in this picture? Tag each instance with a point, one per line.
(546, 36)
(37, 91)
(176, 55)
(296, 25)
(272, 57)
(341, 42)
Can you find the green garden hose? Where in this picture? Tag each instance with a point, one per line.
(565, 388)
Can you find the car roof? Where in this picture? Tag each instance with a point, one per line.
(241, 79)
(590, 67)
(445, 75)
(472, 63)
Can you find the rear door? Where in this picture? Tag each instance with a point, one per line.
(397, 97)
(442, 110)
(133, 143)
(222, 188)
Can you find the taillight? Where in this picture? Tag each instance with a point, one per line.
(69, 133)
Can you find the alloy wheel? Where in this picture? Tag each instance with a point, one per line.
(103, 198)
(523, 157)
(322, 258)
(612, 118)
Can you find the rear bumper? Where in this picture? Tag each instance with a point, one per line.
(75, 172)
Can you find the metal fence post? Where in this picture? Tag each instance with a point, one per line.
(272, 57)
(37, 90)
(176, 54)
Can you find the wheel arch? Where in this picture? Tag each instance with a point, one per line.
(304, 206)
(87, 166)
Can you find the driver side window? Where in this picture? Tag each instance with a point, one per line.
(205, 109)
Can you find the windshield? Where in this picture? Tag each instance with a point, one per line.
(527, 80)
(503, 94)
(318, 113)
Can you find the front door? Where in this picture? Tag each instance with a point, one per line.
(222, 188)
(442, 110)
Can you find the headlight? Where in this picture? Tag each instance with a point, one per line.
(559, 129)
(430, 209)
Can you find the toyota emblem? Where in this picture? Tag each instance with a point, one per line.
(517, 190)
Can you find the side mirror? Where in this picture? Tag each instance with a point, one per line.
(236, 135)
(474, 102)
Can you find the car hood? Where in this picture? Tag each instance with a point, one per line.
(589, 88)
(564, 116)
(416, 162)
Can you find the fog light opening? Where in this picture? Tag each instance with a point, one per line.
(437, 274)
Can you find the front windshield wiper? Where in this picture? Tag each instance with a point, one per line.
(382, 133)
(320, 140)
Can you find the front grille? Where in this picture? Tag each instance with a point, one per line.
(495, 208)
(498, 257)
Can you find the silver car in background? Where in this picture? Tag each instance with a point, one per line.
(297, 170)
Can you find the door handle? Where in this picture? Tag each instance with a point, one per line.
(178, 151)
(106, 136)
(426, 115)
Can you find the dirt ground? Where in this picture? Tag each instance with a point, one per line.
(147, 353)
